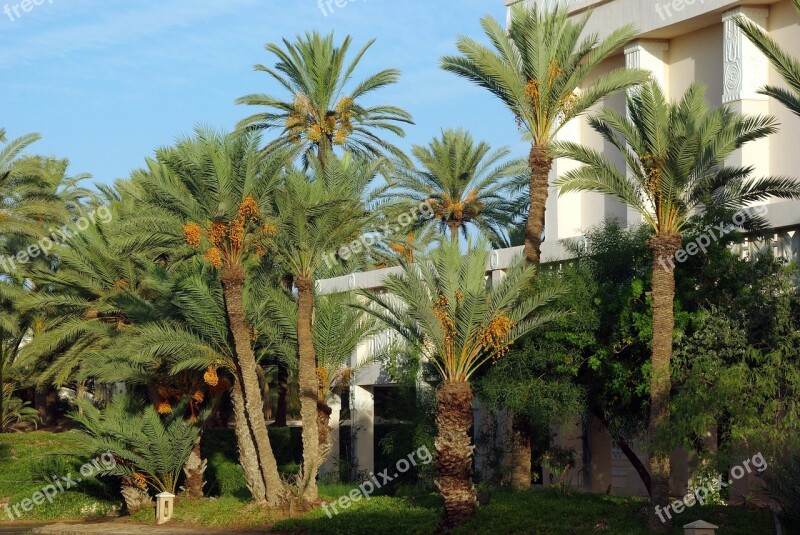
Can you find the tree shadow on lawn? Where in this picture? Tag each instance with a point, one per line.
(380, 515)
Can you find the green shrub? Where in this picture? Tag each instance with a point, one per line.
(783, 484)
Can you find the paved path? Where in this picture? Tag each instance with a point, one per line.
(19, 528)
(117, 528)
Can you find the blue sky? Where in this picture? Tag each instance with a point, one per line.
(105, 83)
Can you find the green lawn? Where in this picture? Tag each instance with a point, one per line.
(26, 460)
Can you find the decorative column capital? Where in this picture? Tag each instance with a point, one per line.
(746, 69)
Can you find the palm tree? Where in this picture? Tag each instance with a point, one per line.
(466, 183)
(787, 66)
(27, 205)
(537, 69)
(145, 448)
(211, 195)
(443, 309)
(324, 109)
(675, 155)
(317, 216)
(337, 330)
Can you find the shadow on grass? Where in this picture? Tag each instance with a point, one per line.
(377, 516)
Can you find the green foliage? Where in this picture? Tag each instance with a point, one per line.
(467, 184)
(783, 485)
(443, 308)
(142, 443)
(15, 411)
(535, 66)
(324, 107)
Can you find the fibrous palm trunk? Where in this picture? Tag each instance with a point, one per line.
(521, 454)
(454, 450)
(233, 292)
(662, 246)
(194, 471)
(248, 458)
(540, 164)
(309, 386)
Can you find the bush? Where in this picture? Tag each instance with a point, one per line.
(783, 484)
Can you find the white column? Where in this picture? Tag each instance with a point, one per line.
(363, 427)
(746, 70)
(652, 56)
(330, 467)
(564, 215)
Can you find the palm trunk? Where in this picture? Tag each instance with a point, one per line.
(521, 454)
(663, 246)
(312, 459)
(540, 164)
(283, 391)
(233, 286)
(454, 228)
(194, 470)
(248, 458)
(454, 452)
(324, 425)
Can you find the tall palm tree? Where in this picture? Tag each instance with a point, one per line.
(317, 215)
(787, 66)
(466, 183)
(337, 330)
(211, 196)
(675, 156)
(324, 109)
(444, 309)
(539, 69)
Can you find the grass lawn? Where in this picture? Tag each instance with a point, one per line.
(27, 460)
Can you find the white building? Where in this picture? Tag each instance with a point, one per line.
(681, 42)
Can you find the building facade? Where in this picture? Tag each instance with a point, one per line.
(681, 42)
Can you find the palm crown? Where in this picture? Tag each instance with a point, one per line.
(536, 66)
(675, 155)
(464, 182)
(324, 109)
(444, 308)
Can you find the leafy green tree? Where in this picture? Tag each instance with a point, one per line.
(211, 195)
(675, 156)
(443, 309)
(536, 69)
(465, 183)
(317, 215)
(787, 66)
(325, 110)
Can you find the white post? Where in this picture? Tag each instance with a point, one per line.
(165, 503)
(700, 528)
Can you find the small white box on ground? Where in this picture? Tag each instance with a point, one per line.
(700, 527)
(165, 503)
